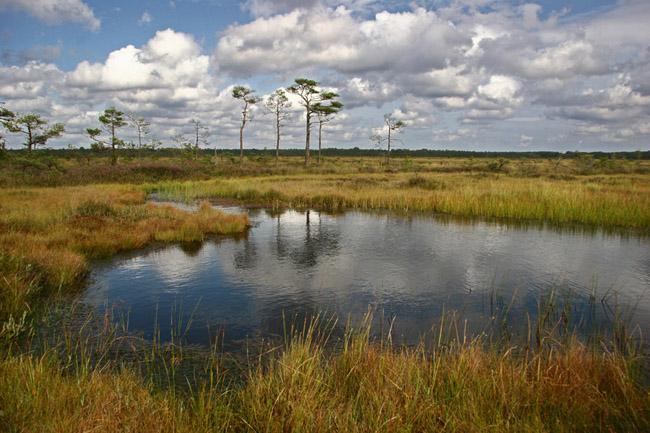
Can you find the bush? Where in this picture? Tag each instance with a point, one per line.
(424, 183)
(497, 166)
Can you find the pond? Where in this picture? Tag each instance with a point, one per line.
(413, 269)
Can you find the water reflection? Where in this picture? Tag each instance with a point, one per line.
(297, 263)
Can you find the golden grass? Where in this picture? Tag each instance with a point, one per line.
(364, 387)
(606, 201)
(47, 235)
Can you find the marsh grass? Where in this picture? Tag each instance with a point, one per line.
(91, 375)
(607, 202)
(48, 235)
(94, 378)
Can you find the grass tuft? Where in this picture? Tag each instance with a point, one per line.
(314, 384)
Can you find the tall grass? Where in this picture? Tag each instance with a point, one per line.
(615, 201)
(461, 383)
(93, 377)
(47, 235)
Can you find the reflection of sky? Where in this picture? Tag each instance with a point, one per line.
(408, 267)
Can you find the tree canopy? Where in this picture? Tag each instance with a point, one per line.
(314, 100)
(33, 127)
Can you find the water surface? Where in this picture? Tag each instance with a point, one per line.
(410, 268)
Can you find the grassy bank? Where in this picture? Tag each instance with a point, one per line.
(599, 191)
(461, 385)
(604, 201)
(47, 235)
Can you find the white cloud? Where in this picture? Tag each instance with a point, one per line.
(333, 38)
(56, 11)
(501, 88)
(465, 66)
(361, 91)
(170, 60)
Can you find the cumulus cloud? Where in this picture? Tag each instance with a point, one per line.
(167, 80)
(56, 11)
(415, 112)
(169, 61)
(32, 80)
(301, 39)
(466, 64)
(500, 89)
(359, 91)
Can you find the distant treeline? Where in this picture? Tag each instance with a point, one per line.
(351, 152)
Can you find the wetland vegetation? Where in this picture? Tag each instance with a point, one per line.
(60, 211)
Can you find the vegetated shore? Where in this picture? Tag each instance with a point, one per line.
(613, 201)
(554, 382)
(49, 234)
(603, 192)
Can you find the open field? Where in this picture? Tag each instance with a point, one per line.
(84, 167)
(553, 383)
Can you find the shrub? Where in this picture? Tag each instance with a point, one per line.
(424, 183)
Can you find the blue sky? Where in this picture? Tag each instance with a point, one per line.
(463, 74)
(203, 18)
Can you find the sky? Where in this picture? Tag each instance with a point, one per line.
(462, 74)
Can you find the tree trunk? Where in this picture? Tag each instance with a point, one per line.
(29, 139)
(114, 157)
(244, 115)
(388, 153)
(241, 144)
(320, 133)
(307, 137)
(196, 143)
(277, 137)
(140, 150)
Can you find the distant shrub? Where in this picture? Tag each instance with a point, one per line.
(424, 183)
(498, 165)
(158, 170)
(27, 164)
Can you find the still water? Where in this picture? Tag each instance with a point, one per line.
(411, 268)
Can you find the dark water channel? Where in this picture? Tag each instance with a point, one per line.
(412, 268)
